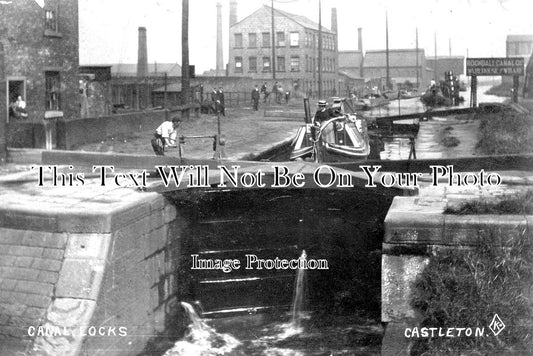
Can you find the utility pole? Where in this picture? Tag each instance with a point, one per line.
(436, 75)
(319, 49)
(417, 74)
(273, 45)
(387, 48)
(185, 79)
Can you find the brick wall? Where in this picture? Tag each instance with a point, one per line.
(30, 51)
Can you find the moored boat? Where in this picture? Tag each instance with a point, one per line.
(340, 139)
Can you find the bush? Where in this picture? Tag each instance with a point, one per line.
(505, 133)
(467, 287)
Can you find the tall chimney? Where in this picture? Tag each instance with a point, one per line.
(360, 39)
(142, 56)
(232, 12)
(220, 53)
(334, 26)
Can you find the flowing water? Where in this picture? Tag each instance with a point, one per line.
(398, 148)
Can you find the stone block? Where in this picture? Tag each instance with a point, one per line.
(170, 213)
(73, 315)
(130, 213)
(26, 251)
(48, 277)
(19, 273)
(156, 220)
(34, 287)
(397, 278)
(53, 253)
(85, 221)
(6, 260)
(23, 261)
(44, 239)
(91, 246)
(7, 284)
(80, 279)
(45, 264)
(29, 220)
(12, 308)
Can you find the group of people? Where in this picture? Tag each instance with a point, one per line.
(277, 90)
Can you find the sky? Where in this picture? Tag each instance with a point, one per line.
(109, 28)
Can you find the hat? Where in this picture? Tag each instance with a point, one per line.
(322, 103)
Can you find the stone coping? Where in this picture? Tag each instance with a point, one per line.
(409, 222)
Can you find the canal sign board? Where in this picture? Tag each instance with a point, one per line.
(494, 66)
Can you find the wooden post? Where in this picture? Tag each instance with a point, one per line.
(516, 81)
(473, 92)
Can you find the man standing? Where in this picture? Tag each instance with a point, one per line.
(255, 98)
(165, 135)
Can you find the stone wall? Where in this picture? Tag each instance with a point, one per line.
(72, 133)
(88, 273)
(415, 230)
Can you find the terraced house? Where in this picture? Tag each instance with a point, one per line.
(296, 50)
(39, 60)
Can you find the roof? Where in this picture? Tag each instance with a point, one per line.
(397, 58)
(301, 20)
(351, 73)
(519, 38)
(130, 69)
(350, 59)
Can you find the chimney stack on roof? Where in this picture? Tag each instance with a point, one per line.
(142, 55)
(232, 12)
(360, 39)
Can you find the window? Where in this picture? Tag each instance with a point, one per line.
(238, 64)
(266, 64)
(238, 40)
(52, 94)
(281, 39)
(266, 39)
(295, 64)
(15, 87)
(280, 64)
(295, 39)
(252, 40)
(252, 64)
(50, 20)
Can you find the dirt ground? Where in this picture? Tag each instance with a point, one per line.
(246, 131)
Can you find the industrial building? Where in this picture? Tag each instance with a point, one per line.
(296, 50)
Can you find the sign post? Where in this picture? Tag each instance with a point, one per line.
(506, 66)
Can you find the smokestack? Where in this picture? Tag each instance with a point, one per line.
(142, 56)
(232, 12)
(220, 53)
(334, 26)
(360, 39)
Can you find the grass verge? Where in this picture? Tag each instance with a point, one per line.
(518, 204)
(505, 133)
(467, 287)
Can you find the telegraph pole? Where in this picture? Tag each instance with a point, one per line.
(417, 74)
(273, 45)
(185, 79)
(387, 48)
(436, 75)
(319, 49)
